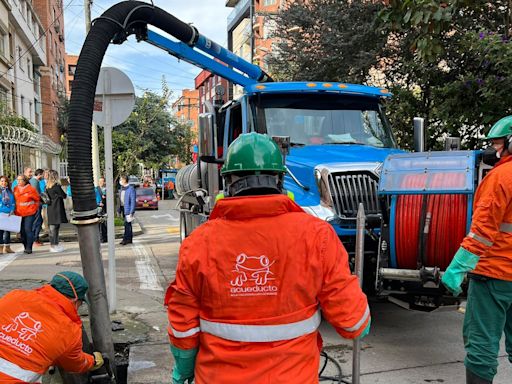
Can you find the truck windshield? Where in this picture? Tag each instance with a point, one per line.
(314, 119)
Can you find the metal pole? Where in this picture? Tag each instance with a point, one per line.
(94, 131)
(251, 24)
(110, 197)
(359, 267)
(101, 327)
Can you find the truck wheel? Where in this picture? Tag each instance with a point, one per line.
(183, 226)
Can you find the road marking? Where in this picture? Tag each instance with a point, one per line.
(7, 259)
(147, 276)
(173, 230)
(170, 217)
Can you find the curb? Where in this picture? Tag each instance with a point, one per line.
(71, 234)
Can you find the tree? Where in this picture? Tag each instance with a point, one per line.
(151, 135)
(323, 40)
(452, 59)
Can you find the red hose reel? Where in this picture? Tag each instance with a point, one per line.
(446, 217)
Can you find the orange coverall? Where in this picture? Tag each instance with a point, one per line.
(39, 328)
(27, 200)
(249, 288)
(490, 236)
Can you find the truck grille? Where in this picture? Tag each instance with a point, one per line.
(348, 189)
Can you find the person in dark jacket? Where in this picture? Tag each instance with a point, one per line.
(127, 198)
(56, 211)
(101, 200)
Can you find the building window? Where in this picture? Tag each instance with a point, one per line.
(20, 63)
(70, 85)
(71, 69)
(3, 39)
(22, 98)
(30, 111)
(29, 68)
(268, 2)
(3, 99)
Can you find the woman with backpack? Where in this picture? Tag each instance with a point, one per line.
(55, 211)
(6, 206)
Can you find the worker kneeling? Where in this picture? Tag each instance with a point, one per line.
(41, 327)
(253, 282)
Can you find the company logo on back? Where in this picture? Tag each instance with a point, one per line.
(252, 276)
(21, 330)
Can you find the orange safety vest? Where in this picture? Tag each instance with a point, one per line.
(251, 286)
(39, 328)
(27, 200)
(490, 236)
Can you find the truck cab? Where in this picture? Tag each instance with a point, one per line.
(339, 138)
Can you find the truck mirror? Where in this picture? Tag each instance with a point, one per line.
(419, 134)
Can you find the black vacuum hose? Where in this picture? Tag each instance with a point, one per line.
(117, 23)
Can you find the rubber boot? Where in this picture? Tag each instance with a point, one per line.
(2, 250)
(471, 378)
(7, 249)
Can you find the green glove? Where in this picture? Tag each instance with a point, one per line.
(366, 330)
(464, 261)
(185, 361)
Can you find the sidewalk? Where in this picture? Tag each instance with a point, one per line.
(68, 232)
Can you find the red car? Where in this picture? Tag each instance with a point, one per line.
(146, 198)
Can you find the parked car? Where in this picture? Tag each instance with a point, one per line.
(146, 198)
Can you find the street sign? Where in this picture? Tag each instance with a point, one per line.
(116, 86)
(113, 104)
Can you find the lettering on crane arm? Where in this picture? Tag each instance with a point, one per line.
(252, 276)
(22, 329)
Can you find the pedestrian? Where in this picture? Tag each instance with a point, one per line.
(127, 209)
(7, 206)
(101, 200)
(251, 281)
(486, 253)
(42, 188)
(29, 173)
(56, 210)
(170, 189)
(27, 204)
(38, 220)
(42, 328)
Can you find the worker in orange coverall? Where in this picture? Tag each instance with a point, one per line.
(40, 328)
(253, 282)
(486, 253)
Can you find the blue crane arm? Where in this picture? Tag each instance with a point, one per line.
(195, 57)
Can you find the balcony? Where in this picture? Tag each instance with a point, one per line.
(239, 12)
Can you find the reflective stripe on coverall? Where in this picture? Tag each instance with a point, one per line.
(248, 289)
(38, 329)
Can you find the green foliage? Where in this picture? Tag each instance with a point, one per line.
(8, 117)
(453, 61)
(151, 135)
(322, 40)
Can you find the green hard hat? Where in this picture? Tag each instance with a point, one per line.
(501, 128)
(253, 152)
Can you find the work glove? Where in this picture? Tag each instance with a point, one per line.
(366, 330)
(463, 262)
(98, 361)
(184, 364)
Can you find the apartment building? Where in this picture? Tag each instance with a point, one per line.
(69, 72)
(51, 13)
(250, 30)
(6, 86)
(186, 108)
(211, 88)
(27, 57)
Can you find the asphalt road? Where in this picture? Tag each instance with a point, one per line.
(404, 347)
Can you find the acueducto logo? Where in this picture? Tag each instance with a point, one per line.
(26, 329)
(252, 276)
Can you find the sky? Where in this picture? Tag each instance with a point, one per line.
(143, 63)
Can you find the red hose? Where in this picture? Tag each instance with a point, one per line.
(447, 224)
